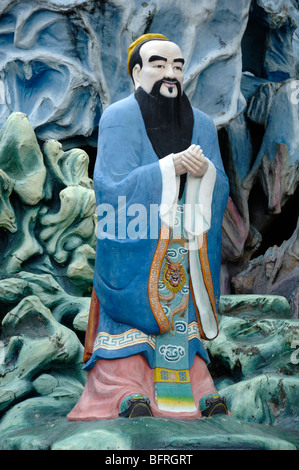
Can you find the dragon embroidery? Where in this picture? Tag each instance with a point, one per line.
(174, 278)
(173, 275)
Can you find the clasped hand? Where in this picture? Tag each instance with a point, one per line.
(191, 160)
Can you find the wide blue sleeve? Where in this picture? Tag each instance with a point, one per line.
(126, 165)
(126, 171)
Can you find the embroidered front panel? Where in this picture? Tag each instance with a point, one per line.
(172, 383)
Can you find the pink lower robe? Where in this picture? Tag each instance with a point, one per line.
(110, 381)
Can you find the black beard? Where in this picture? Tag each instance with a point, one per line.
(168, 121)
(157, 86)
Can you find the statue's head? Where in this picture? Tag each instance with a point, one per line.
(154, 61)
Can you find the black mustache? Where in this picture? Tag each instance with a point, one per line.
(157, 85)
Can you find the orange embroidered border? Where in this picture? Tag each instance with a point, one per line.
(207, 277)
(153, 292)
(92, 326)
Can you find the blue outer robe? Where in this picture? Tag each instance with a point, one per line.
(127, 165)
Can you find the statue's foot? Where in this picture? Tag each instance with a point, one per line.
(213, 405)
(135, 406)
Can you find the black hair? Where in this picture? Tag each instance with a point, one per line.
(136, 57)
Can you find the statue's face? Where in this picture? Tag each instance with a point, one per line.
(161, 60)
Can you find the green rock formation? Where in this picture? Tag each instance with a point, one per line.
(256, 350)
(47, 226)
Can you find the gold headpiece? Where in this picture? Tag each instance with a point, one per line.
(142, 38)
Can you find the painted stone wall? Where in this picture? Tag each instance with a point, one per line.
(61, 64)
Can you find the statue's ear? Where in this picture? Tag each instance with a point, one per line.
(135, 74)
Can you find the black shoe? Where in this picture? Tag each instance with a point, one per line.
(135, 407)
(215, 406)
